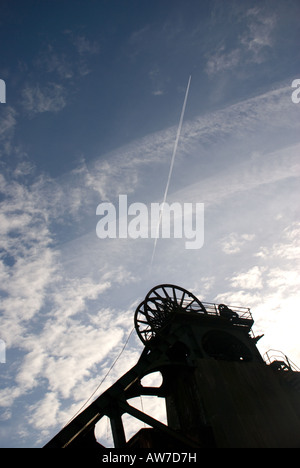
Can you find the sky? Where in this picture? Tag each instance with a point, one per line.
(94, 94)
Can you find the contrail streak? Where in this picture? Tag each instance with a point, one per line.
(171, 165)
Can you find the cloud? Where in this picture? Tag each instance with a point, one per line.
(85, 49)
(252, 279)
(259, 35)
(49, 98)
(287, 249)
(23, 169)
(68, 302)
(129, 168)
(246, 175)
(233, 243)
(27, 259)
(75, 338)
(238, 298)
(271, 289)
(74, 370)
(63, 64)
(56, 63)
(28, 265)
(47, 410)
(157, 81)
(135, 166)
(8, 123)
(158, 92)
(221, 60)
(50, 315)
(85, 46)
(290, 250)
(252, 46)
(110, 176)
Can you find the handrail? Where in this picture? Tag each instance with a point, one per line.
(243, 312)
(239, 316)
(279, 356)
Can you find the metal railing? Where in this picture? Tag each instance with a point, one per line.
(240, 316)
(273, 355)
(242, 312)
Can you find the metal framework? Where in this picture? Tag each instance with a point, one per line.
(163, 301)
(152, 318)
(113, 403)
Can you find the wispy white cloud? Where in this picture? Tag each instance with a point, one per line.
(253, 45)
(85, 45)
(56, 63)
(47, 410)
(57, 287)
(252, 279)
(158, 92)
(49, 314)
(62, 65)
(221, 60)
(48, 98)
(271, 289)
(157, 81)
(233, 243)
(130, 168)
(27, 259)
(8, 121)
(259, 35)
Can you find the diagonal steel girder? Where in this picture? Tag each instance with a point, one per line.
(113, 403)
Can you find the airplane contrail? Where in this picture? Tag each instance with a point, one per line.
(172, 164)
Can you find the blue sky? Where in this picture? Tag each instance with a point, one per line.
(94, 92)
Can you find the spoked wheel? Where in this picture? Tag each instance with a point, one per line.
(141, 323)
(180, 298)
(160, 305)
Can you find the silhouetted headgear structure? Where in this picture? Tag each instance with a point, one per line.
(218, 389)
